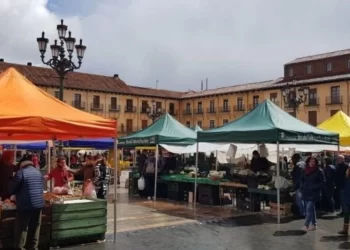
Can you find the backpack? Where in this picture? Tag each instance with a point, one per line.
(150, 168)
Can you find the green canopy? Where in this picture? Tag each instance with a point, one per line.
(196, 128)
(166, 130)
(269, 124)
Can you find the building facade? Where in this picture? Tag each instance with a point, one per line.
(326, 76)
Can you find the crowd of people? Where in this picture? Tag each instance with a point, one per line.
(23, 184)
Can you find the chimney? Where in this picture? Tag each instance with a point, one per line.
(202, 85)
(29, 64)
(116, 76)
(2, 60)
(206, 83)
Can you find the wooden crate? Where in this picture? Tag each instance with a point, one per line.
(285, 209)
(78, 223)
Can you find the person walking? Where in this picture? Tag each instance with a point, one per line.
(312, 183)
(27, 186)
(297, 173)
(101, 177)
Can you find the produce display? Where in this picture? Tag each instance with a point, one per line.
(7, 205)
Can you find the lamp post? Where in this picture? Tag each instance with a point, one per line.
(293, 97)
(154, 113)
(61, 63)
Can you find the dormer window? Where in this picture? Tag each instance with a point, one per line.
(290, 72)
(329, 67)
(349, 64)
(309, 69)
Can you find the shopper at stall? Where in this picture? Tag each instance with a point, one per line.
(341, 169)
(60, 174)
(297, 173)
(312, 183)
(87, 170)
(7, 169)
(346, 205)
(27, 186)
(149, 175)
(140, 159)
(101, 177)
(259, 164)
(328, 190)
(35, 160)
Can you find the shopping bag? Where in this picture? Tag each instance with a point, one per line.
(141, 183)
(90, 191)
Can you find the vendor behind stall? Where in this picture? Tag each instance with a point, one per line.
(60, 174)
(6, 173)
(87, 170)
(259, 164)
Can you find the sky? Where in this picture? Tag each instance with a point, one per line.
(179, 42)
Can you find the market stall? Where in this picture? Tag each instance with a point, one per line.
(166, 130)
(26, 113)
(267, 123)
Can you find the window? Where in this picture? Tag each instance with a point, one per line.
(312, 97)
(144, 124)
(77, 98)
(129, 125)
(199, 123)
(349, 64)
(212, 106)
(224, 121)
(313, 118)
(172, 108)
(199, 107)
(159, 106)
(335, 95)
(188, 108)
(273, 98)
(240, 106)
(333, 112)
(211, 124)
(329, 66)
(144, 106)
(309, 69)
(188, 124)
(113, 103)
(56, 94)
(255, 101)
(96, 102)
(129, 105)
(225, 106)
(290, 72)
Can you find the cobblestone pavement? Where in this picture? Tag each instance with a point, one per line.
(250, 232)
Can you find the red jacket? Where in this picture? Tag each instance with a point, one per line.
(60, 176)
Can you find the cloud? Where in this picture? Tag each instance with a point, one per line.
(180, 42)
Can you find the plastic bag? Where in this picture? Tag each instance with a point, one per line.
(141, 183)
(90, 191)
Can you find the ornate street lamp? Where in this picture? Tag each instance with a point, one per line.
(154, 113)
(61, 63)
(293, 97)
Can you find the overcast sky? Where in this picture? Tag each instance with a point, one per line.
(180, 42)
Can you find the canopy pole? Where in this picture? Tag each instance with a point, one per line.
(69, 154)
(15, 154)
(115, 187)
(156, 174)
(48, 161)
(282, 160)
(278, 186)
(195, 177)
(216, 161)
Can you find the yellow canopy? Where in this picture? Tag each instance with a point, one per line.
(339, 123)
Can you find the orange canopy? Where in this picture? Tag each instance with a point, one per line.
(29, 113)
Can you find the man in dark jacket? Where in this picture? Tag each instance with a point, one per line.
(297, 173)
(341, 169)
(141, 158)
(27, 186)
(259, 164)
(328, 190)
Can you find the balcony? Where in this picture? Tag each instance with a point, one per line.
(172, 112)
(252, 106)
(145, 110)
(130, 109)
(198, 111)
(312, 102)
(187, 112)
(333, 100)
(211, 110)
(78, 104)
(96, 107)
(114, 108)
(239, 108)
(225, 109)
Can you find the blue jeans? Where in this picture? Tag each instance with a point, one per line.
(310, 213)
(300, 203)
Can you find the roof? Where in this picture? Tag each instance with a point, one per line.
(233, 89)
(42, 76)
(320, 56)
